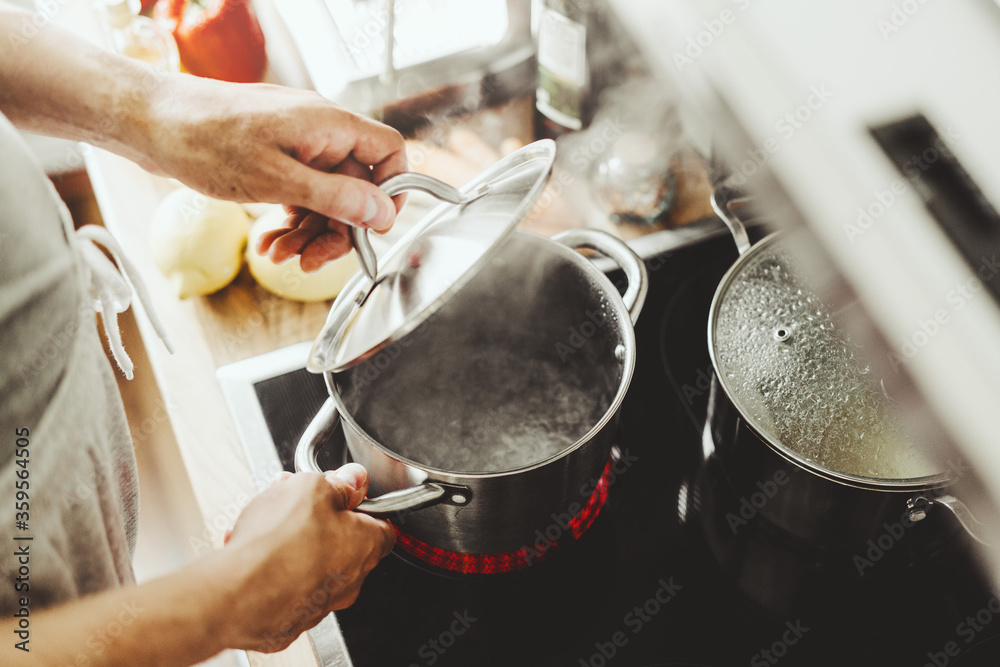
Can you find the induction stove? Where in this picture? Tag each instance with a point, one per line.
(642, 586)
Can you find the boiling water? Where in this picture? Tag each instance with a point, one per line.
(810, 392)
(488, 411)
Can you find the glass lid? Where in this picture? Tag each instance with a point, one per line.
(799, 382)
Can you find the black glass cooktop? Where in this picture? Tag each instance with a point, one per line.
(642, 587)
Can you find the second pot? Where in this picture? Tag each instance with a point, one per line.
(803, 432)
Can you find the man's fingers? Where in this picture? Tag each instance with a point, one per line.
(314, 237)
(345, 199)
(381, 174)
(351, 167)
(291, 244)
(355, 478)
(267, 239)
(294, 219)
(295, 241)
(346, 597)
(380, 146)
(388, 537)
(328, 246)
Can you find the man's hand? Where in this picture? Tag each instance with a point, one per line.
(299, 553)
(245, 142)
(280, 145)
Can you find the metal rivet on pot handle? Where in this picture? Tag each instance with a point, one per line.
(386, 506)
(394, 186)
(627, 260)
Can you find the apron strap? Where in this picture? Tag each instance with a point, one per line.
(112, 287)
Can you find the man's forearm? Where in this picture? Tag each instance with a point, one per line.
(178, 620)
(56, 83)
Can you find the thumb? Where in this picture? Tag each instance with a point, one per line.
(354, 477)
(347, 199)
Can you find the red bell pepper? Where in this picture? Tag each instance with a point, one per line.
(220, 39)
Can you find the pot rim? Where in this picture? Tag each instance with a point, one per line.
(628, 367)
(896, 484)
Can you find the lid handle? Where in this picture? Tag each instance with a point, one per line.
(965, 517)
(723, 197)
(394, 186)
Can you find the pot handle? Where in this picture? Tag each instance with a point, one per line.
(390, 505)
(970, 523)
(394, 186)
(721, 198)
(625, 257)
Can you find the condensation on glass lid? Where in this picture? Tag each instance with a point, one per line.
(802, 383)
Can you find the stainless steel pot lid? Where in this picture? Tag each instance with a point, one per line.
(431, 262)
(797, 380)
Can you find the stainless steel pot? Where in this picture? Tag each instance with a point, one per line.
(797, 428)
(537, 327)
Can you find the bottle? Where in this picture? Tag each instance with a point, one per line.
(582, 50)
(561, 96)
(136, 36)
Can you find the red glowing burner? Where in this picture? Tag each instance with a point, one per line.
(497, 563)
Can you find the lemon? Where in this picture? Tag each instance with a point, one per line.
(288, 280)
(198, 241)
